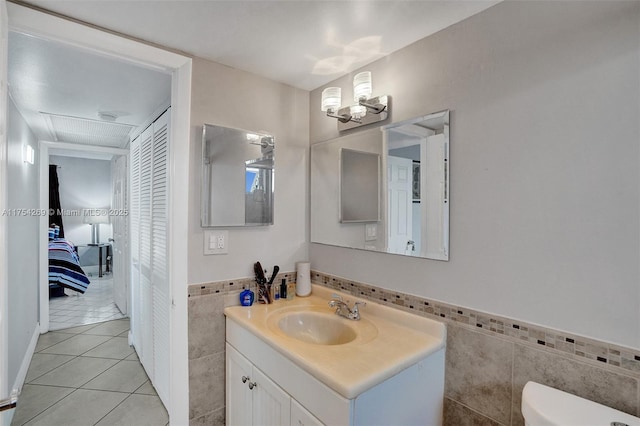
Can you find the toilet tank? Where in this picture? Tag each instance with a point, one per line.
(546, 406)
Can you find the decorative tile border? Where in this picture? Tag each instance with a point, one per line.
(229, 286)
(595, 351)
(580, 347)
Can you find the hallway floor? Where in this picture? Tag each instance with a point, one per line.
(95, 305)
(88, 375)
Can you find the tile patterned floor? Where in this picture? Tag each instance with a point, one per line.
(95, 305)
(88, 375)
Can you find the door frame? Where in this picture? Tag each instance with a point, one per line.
(5, 390)
(43, 264)
(36, 23)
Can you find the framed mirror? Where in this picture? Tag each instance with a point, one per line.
(237, 177)
(412, 187)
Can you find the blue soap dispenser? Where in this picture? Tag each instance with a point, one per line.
(246, 298)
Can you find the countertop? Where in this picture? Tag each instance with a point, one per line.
(389, 340)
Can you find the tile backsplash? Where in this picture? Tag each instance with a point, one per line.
(581, 347)
(489, 358)
(207, 346)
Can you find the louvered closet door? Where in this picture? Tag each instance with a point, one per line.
(134, 227)
(146, 298)
(150, 282)
(159, 270)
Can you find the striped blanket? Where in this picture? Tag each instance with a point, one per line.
(64, 267)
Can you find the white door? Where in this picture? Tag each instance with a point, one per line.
(119, 243)
(400, 176)
(149, 242)
(4, 285)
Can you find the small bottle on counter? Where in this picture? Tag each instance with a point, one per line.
(283, 289)
(291, 291)
(275, 292)
(246, 298)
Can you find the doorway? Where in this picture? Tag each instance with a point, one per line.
(90, 183)
(41, 25)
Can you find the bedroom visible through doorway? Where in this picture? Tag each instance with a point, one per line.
(81, 188)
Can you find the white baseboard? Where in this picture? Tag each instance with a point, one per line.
(24, 367)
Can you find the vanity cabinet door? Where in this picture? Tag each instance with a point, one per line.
(271, 405)
(301, 417)
(251, 397)
(238, 395)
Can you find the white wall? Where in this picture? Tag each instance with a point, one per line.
(228, 97)
(84, 184)
(23, 237)
(545, 100)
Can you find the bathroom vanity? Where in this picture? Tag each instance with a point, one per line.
(298, 363)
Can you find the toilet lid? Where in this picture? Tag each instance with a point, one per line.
(546, 406)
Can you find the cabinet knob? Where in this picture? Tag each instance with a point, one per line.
(252, 385)
(244, 379)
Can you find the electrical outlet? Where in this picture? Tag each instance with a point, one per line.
(216, 242)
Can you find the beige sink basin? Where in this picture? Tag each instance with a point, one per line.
(319, 325)
(315, 327)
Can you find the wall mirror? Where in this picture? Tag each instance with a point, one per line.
(412, 188)
(237, 177)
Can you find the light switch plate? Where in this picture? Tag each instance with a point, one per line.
(216, 242)
(370, 231)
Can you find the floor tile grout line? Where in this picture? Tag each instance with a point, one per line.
(36, 378)
(73, 389)
(101, 373)
(121, 402)
(58, 401)
(42, 349)
(139, 387)
(82, 356)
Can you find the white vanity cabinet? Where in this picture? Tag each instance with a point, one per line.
(254, 399)
(283, 393)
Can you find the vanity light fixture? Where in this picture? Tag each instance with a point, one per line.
(366, 110)
(331, 101)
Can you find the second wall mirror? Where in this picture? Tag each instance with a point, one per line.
(238, 185)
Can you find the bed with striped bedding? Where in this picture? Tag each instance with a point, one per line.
(64, 267)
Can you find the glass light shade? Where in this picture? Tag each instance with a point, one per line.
(357, 111)
(362, 87)
(331, 98)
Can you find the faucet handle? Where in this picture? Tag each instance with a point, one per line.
(336, 296)
(355, 305)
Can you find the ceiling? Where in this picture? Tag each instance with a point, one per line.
(70, 95)
(62, 91)
(303, 43)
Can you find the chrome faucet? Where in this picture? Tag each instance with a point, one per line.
(342, 308)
